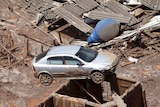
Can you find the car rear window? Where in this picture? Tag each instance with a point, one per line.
(40, 56)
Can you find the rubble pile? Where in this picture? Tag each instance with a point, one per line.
(47, 23)
(29, 27)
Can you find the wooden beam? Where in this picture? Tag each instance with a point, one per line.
(52, 37)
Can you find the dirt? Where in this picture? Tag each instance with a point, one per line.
(18, 88)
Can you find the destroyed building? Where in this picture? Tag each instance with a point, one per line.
(29, 27)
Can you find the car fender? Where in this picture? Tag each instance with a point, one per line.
(96, 67)
(43, 72)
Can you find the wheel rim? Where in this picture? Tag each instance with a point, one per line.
(45, 79)
(97, 77)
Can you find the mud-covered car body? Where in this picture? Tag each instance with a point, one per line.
(73, 62)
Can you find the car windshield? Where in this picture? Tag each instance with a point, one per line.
(40, 56)
(86, 54)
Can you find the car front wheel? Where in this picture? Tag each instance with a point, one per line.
(97, 77)
(45, 79)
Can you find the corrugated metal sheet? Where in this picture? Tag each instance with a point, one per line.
(101, 14)
(100, 8)
(74, 20)
(2, 5)
(6, 3)
(153, 4)
(86, 4)
(21, 3)
(36, 6)
(119, 8)
(74, 9)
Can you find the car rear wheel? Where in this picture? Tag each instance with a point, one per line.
(45, 79)
(97, 77)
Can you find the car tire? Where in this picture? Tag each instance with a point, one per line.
(97, 77)
(45, 79)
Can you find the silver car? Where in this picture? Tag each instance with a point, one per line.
(73, 62)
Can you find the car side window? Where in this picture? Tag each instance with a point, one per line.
(70, 61)
(55, 61)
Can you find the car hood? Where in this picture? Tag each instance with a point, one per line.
(106, 59)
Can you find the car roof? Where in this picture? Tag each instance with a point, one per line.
(67, 49)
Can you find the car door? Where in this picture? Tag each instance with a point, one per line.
(74, 67)
(55, 66)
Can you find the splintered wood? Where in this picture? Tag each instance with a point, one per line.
(7, 50)
(143, 45)
(107, 93)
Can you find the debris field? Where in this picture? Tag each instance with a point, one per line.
(29, 27)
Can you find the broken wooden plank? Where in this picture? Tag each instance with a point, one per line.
(51, 15)
(52, 37)
(6, 3)
(63, 27)
(87, 5)
(121, 38)
(153, 4)
(153, 41)
(125, 63)
(119, 8)
(9, 61)
(74, 9)
(2, 4)
(98, 15)
(101, 8)
(149, 34)
(8, 51)
(154, 22)
(17, 62)
(74, 20)
(87, 92)
(156, 48)
(35, 39)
